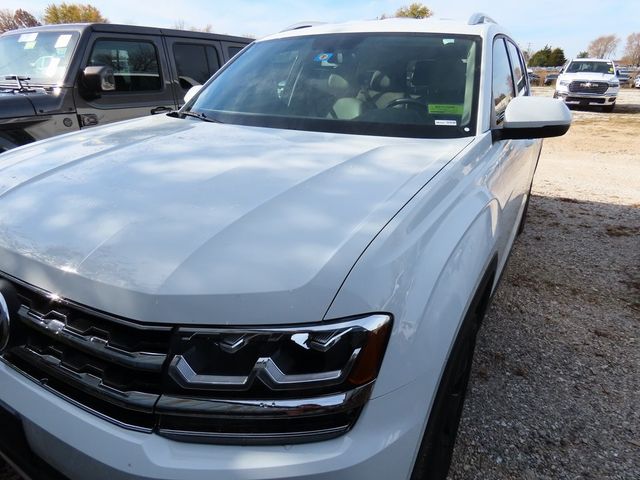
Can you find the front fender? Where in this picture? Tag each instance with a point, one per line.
(424, 268)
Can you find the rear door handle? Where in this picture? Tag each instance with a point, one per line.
(157, 110)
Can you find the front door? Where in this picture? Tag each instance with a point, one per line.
(143, 85)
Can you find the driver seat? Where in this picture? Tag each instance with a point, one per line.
(345, 107)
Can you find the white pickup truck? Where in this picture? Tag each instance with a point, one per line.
(589, 81)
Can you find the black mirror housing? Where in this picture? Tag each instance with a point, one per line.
(98, 79)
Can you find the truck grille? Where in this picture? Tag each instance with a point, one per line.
(597, 88)
(117, 369)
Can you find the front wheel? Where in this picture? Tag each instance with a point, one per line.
(436, 449)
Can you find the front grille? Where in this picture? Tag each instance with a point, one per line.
(117, 369)
(597, 88)
(111, 366)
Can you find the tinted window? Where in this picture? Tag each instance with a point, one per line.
(192, 64)
(233, 51)
(518, 68)
(502, 80)
(212, 58)
(394, 84)
(135, 64)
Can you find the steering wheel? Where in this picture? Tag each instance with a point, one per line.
(409, 102)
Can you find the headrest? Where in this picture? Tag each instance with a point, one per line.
(423, 73)
(336, 82)
(379, 81)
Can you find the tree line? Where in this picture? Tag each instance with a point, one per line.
(53, 14)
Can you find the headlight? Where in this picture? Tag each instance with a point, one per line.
(290, 384)
(614, 83)
(564, 83)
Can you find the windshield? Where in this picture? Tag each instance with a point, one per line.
(406, 85)
(41, 56)
(590, 67)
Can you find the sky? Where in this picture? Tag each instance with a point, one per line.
(568, 24)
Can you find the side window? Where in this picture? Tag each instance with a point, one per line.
(502, 80)
(192, 64)
(518, 68)
(135, 64)
(233, 51)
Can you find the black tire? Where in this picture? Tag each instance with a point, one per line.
(434, 457)
(609, 108)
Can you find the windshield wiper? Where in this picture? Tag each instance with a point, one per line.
(199, 116)
(22, 82)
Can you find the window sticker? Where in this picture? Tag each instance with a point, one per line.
(323, 57)
(28, 37)
(29, 45)
(447, 123)
(446, 109)
(63, 41)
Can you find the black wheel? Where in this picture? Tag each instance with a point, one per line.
(609, 108)
(436, 449)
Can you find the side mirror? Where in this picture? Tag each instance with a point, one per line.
(98, 79)
(192, 92)
(533, 117)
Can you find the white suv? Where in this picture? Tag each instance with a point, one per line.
(589, 81)
(284, 279)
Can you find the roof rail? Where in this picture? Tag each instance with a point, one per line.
(298, 26)
(478, 18)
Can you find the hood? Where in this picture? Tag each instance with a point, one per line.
(588, 76)
(14, 105)
(169, 220)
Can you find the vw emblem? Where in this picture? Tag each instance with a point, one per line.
(4, 322)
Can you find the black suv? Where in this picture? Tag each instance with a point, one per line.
(60, 78)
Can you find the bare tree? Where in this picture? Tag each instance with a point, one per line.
(19, 19)
(632, 49)
(604, 46)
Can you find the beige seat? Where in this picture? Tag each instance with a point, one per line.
(379, 92)
(346, 107)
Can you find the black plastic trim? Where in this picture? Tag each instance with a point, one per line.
(16, 451)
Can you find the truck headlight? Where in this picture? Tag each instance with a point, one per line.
(614, 83)
(254, 384)
(564, 83)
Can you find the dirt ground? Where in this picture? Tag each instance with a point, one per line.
(555, 387)
(556, 379)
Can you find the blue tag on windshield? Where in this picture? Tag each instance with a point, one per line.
(323, 57)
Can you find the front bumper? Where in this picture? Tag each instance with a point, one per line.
(78, 445)
(576, 98)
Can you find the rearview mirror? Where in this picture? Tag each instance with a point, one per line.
(533, 117)
(192, 92)
(98, 79)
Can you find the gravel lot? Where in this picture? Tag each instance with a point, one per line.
(555, 387)
(556, 381)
